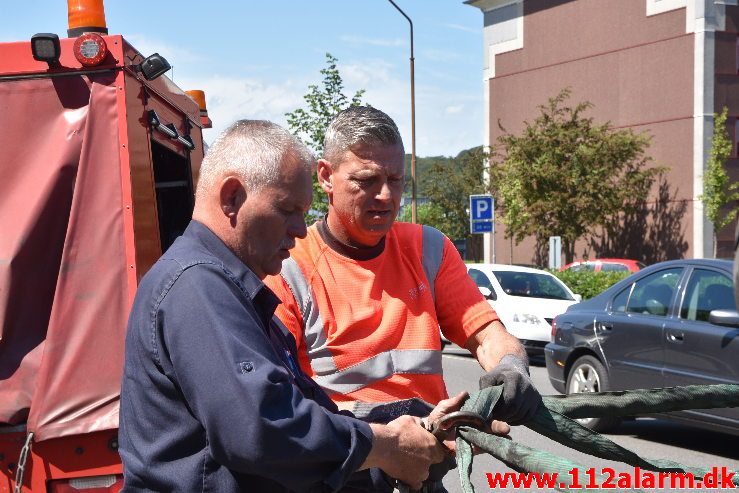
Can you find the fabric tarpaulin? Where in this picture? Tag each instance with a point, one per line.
(63, 291)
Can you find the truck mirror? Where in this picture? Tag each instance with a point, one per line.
(153, 66)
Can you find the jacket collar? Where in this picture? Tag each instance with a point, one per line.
(262, 297)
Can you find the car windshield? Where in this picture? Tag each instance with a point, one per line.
(532, 285)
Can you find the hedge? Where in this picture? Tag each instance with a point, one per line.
(588, 283)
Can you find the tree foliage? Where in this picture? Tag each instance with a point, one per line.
(567, 176)
(717, 191)
(448, 185)
(323, 104)
(428, 213)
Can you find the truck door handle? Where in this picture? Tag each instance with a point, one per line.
(605, 327)
(676, 337)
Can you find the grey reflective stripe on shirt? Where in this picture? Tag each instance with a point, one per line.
(381, 367)
(433, 251)
(313, 331)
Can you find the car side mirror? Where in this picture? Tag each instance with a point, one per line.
(727, 318)
(578, 297)
(486, 292)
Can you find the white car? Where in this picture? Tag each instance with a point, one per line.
(526, 300)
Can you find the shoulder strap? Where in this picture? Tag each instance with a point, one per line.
(433, 252)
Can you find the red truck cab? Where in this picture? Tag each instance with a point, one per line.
(97, 172)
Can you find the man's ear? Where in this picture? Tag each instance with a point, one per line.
(232, 196)
(324, 172)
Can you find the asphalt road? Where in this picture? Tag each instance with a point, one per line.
(649, 438)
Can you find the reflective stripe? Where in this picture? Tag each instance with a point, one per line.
(433, 251)
(313, 331)
(381, 367)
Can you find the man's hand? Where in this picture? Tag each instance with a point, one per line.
(404, 450)
(520, 399)
(452, 404)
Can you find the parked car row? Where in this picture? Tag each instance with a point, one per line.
(673, 323)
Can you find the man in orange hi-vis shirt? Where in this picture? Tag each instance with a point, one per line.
(365, 295)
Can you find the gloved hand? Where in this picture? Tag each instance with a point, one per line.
(520, 399)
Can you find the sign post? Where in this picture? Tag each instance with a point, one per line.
(555, 252)
(482, 215)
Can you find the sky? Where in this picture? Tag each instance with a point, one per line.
(255, 59)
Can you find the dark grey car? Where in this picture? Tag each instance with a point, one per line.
(657, 328)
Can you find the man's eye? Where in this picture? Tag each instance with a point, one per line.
(364, 181)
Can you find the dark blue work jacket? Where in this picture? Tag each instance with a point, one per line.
(212, 398)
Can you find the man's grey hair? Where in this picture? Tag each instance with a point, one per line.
(358, 126)
(254, 151)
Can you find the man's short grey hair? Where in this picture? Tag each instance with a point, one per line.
(253, 150)
(358, 126)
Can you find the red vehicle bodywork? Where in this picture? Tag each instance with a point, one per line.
(90, 194)
(606, 264)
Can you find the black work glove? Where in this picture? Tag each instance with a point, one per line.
(520, 400)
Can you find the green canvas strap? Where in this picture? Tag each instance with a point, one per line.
(555, 420)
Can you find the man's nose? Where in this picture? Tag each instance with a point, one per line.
(297, 228)
(385, 193)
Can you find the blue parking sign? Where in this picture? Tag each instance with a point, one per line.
(481, 207)
(481, 213)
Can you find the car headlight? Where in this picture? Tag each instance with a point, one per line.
(526, 318)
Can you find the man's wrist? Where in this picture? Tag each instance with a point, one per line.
(382, 439)
(519, 363)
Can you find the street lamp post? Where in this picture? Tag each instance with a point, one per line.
(413, 123)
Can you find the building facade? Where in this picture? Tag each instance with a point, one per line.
(658, 66)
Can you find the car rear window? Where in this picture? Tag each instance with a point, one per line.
(607, 267)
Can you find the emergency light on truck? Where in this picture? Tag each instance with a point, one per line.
(90, 49)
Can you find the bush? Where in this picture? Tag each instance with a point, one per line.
(589, 283)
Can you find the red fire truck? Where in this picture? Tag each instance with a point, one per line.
(98, 152)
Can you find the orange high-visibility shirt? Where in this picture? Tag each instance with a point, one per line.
(368, 330)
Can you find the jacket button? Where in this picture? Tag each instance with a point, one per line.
(246, 366)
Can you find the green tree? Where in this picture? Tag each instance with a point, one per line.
(309, 124)
(567, 176)
(717, 192)
(428, 213)
(448, 183)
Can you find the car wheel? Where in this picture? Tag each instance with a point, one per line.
(589, 375)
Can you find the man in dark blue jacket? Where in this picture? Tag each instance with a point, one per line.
(212, 398)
